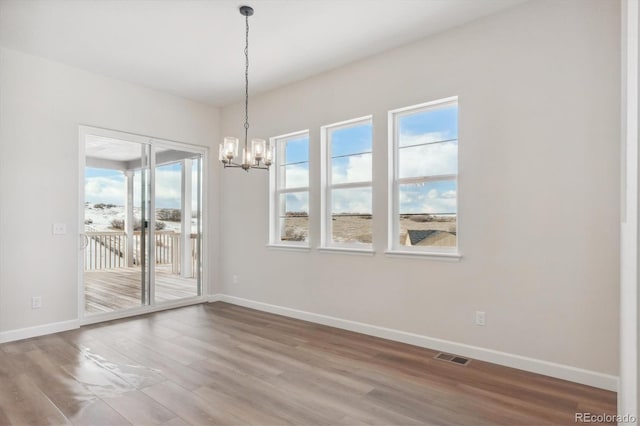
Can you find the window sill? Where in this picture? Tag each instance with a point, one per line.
(288, 247)
(347, 250)
(442, 256)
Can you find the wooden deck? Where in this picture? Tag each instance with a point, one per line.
(109, 290)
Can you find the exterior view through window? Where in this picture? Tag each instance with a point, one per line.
(348, 174)
(291, 190)
(425, 187)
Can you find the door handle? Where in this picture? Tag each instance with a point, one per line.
(84, 241)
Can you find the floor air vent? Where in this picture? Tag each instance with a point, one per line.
(452, 358)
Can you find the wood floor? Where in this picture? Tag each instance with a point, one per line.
(109, 290)
(222, 364)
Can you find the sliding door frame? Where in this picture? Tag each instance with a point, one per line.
(152, 306)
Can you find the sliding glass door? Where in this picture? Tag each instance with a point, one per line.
(142, 240)
(177, 231)
(116, 213)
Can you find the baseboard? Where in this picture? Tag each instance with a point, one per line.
(214, 298)
(560, 371)
(38, 330)
(143, 310)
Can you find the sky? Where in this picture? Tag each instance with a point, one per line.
(108, 186)
(428, 147)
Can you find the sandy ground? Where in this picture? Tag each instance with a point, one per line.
(358, 228)
(345, 228)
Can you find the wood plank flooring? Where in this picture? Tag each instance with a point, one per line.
(222, 364)
(109, 290)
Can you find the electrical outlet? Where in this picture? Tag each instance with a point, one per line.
(36, 302)
(235, 279)
(481, 318)
(59, 229)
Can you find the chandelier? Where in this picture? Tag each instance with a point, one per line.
(260, 155)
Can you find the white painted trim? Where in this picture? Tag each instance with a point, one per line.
(394, 181)
(143, 139)
(83, 131)
(289, 247)
(38, 330)
(347, 250)
(143, 310)
(57, 327)
(214, 298)
(150, 266)
(433, 255)
(326, 183)
(450, 101)
(346, 123)
(560, 371)
(274, 183)
(151, 143)
(628, 393)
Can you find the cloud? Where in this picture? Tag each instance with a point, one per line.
(296, 175)
(414, 161)
(101, 189)
(428, 160)
(409, 139)
(355, 168)
(168, 188)
(295, 202)
(112, 189)
(431, 198)
(352, 200)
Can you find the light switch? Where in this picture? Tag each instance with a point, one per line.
(59, 229)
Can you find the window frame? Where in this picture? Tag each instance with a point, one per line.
(326, 203)
(275, 179)
(394, 246)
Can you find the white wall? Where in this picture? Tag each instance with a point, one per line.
(539, 89)
(41, 105)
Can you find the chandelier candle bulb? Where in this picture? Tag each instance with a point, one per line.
(231, 148)
(257, 149)
(268, 157)
(246, 158)
(221, 154)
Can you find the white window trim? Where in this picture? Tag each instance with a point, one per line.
(326, 242)
(288, 247)
(394, 248)
(347, 250)
(275, 191)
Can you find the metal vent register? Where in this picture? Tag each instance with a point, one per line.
(452, 358)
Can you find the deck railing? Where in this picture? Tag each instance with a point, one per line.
(109, 250)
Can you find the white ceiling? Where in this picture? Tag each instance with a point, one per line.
(112, 149)
(194, 48)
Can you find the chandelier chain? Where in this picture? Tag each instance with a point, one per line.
(246, 83)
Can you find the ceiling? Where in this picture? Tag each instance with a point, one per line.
(194, 48)
(112, 149)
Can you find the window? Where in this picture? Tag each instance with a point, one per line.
(290, 190)
(347, 162)
(424, 188)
